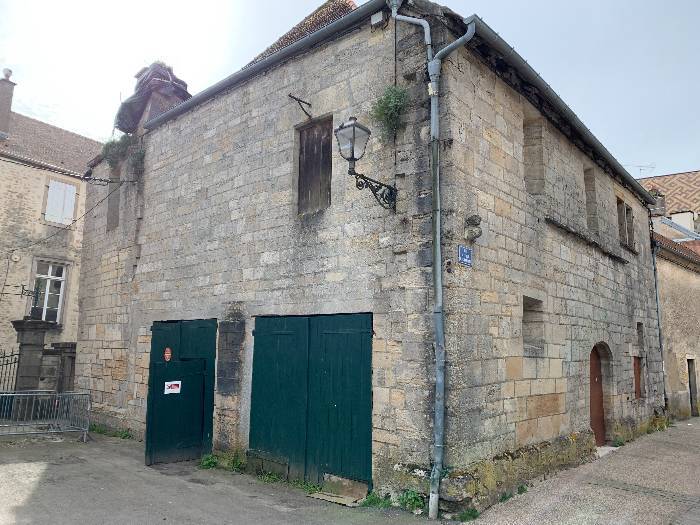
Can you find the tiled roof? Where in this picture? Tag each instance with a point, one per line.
(328, 12)
(677, 248)
(682, 190)
(43, 142)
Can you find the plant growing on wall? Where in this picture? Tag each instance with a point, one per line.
(388, 109)
(116, 150)
(125, 147)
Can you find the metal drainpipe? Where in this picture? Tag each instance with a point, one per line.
(654, 250)
(434, 67)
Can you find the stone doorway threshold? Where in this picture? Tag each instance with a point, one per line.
(348, 501)
(342, 491)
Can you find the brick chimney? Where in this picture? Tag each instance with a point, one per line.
(7, 88)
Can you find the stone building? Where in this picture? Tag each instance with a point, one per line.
(41, 194)
(679, 309)
(245, 217)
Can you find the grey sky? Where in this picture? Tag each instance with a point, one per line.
(629, 69)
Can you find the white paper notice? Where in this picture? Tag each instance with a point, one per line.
(172, 387)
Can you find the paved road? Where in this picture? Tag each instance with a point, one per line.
(105, 482)
(655, 479)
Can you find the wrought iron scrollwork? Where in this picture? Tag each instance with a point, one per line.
(383, 193)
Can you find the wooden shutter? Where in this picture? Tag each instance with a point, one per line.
(315, 166)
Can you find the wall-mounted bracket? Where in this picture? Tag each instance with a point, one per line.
(383, 193)
(301, 103)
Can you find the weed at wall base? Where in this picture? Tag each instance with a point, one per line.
(468, 515)
(375, 500)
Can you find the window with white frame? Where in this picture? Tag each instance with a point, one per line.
(60, 202)
(49, 285)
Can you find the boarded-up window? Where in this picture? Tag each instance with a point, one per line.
(637, 364)
(315, 166)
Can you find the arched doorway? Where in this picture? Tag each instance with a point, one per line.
(596, 401)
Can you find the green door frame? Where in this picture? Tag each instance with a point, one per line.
(189, 341)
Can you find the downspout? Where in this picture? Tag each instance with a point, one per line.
(434, 67)
(654, 251)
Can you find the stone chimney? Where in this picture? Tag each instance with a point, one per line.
(7, 88)
(658, 209)
(157, 90)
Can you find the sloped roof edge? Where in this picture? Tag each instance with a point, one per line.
(677, 249)
(482, 30)
(326, 32)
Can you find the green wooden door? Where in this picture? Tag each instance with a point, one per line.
(311, 403)
(278, 397)
(339, 428)
(180, 390)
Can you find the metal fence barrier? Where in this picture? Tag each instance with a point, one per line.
(44, 411)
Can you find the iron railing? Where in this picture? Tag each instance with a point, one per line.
(8, 369)
(43, 412)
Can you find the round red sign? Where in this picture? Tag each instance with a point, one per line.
(167, 354)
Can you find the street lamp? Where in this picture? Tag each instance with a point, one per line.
(352, 140)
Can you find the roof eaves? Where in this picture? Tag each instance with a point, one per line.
(39, 164)
(482, 29)
(676, 249)
(494, 40)
(328, 32)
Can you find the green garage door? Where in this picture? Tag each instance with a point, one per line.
(311, 406)
(180, 390)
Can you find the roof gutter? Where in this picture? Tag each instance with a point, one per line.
(364, 11)
(528, 73)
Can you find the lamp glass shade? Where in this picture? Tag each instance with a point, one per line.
(352, 139)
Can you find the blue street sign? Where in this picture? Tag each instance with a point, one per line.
(464, 256)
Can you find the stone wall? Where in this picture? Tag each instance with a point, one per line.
(23, 191)
(679, 295)
(211, 230)
(536, 246)
(217, 234)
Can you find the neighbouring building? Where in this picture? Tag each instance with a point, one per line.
(240, 271)
(676, 214)
(676, 224)
(679, 308)
(41, 194)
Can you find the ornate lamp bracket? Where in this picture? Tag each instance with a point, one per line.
(384, 194)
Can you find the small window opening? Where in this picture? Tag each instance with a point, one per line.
(637, 365)
(625, 223)
(640, 335)
(533, 327)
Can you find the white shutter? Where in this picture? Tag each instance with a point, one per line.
(60, 202)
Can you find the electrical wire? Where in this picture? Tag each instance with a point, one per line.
(67, 227)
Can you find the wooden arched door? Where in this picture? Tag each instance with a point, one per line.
(597, 409)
